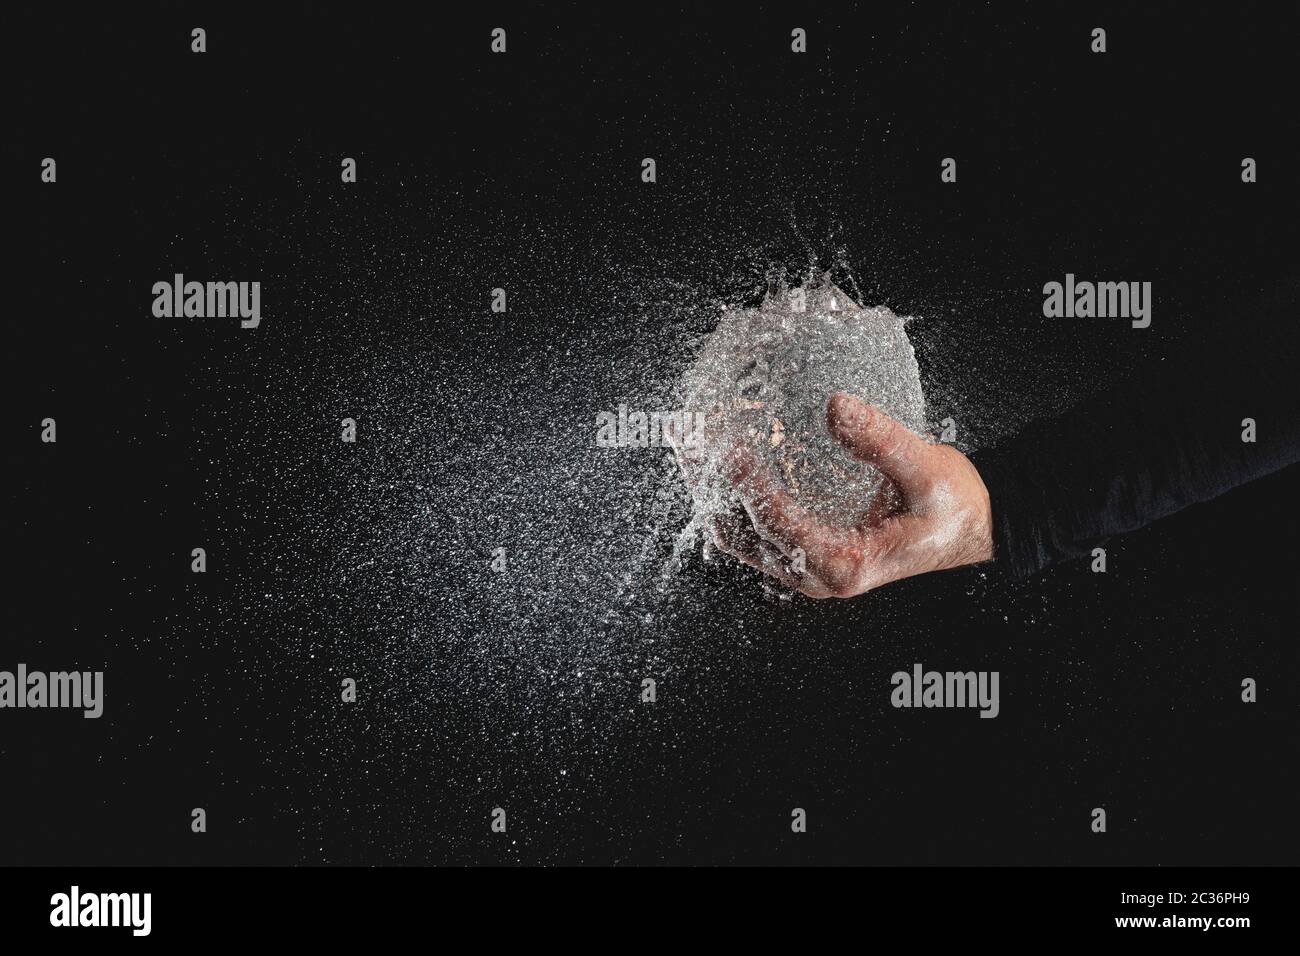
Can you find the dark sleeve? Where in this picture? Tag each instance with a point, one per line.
(1168, 440)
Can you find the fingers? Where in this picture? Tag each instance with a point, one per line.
(775, 514)
(771, 532)
(827, 561)
(733, 533)
(772, 563)
(872, 436)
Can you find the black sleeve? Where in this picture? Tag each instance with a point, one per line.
(1164, 442)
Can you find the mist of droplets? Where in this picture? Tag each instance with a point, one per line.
(499, 584)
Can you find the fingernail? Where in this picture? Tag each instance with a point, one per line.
(847, 411)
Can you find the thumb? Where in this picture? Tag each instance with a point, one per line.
(872, 436)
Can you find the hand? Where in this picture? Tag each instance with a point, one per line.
(932, 515)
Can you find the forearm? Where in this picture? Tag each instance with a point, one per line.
(1064, 485)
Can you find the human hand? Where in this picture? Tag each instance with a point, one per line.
(933, 514)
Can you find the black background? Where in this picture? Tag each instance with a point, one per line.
(1119, 691)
